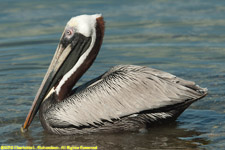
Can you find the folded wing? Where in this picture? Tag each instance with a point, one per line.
(124, 90)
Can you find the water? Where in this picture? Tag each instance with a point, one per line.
(186, 38)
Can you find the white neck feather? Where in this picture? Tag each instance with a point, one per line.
(77, 65)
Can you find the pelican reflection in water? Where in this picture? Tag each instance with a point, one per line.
(125, 98)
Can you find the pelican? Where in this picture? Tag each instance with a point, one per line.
(125, 98)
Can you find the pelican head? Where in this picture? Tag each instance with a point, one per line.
(77, 49)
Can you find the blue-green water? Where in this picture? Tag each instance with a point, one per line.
(186, 38)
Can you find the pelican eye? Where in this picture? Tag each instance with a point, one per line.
(69, 32)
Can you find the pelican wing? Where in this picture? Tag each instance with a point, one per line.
(122, 91)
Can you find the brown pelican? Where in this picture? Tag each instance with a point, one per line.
(125, 98)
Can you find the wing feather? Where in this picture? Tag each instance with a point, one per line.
(122, 91)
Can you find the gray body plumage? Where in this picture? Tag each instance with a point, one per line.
(126, 98)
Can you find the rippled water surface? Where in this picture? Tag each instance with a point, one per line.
(186, 38)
